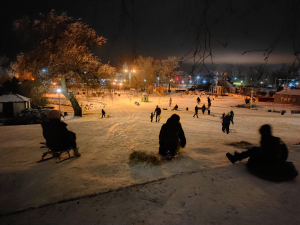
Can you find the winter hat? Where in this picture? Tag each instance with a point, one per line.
(228, 114)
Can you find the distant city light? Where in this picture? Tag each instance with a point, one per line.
(297, 83)
(204, 81)
(198, 77)
(241, 81)
(261, 82)
(84, 72)
(58, 90)
(44, 70)
(235, 78)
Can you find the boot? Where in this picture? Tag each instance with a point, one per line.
(237, 156)
(231, 158)
(76, 152)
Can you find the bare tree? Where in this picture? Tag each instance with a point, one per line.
(59, 47)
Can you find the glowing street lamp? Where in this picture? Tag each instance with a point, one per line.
(58, 91)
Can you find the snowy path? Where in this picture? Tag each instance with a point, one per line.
(105, 145)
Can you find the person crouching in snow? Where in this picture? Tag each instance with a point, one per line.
(171, 138)
(269, 160)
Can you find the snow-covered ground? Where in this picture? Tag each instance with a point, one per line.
(105, 145)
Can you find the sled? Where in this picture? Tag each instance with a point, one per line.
(54, 154)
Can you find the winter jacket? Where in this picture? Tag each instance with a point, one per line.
(157, 111)
(227, 119)
(171, 133)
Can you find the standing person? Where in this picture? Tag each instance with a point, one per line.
(268, 160)
(157, 111)
(171, 137)
(196, 111)
(208, 108)
(203, 108)
(198, 100)
(103, 113)
(227, 120)
(151, 117)
(232, 115)
(170, 102)
(223, 125)
(208, 100)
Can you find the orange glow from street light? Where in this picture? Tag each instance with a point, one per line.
(126, 70)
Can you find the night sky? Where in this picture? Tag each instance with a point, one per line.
(169, 28)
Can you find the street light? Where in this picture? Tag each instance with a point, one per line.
(58, 91)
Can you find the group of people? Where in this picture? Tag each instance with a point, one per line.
(226, 119)
(269, 160)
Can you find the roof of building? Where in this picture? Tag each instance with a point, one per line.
(13, 98)
(289, 92)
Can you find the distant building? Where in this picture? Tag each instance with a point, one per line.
(12, 104)
(288, 96)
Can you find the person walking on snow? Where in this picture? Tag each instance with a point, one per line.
(208, 100)
(170, 102)
(103, 113)
(232, 115)
(203, 108)
(151, 116)
(227, 120)
(196, 111)
(157, 111)
(198, 100)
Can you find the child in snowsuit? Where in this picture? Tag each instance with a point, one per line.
(198, 100)
(151, 116)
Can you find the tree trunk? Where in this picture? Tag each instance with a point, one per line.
(69, 95)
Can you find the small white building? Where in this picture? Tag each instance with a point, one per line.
(12, 104)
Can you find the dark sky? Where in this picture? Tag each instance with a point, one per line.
(165, 28)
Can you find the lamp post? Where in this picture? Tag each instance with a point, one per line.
(129, 78)
(58, 91)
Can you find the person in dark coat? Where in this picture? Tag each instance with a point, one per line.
(196, 111)
(151, 116)
(103, 113)
(157, 111)
(176, 107)
(203, 108)
(232, 114)
(57, 136)
(268, 160)
(198, 100)
(208, 100)
(171, 137)
(227, 119)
